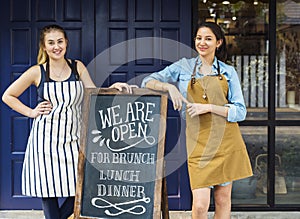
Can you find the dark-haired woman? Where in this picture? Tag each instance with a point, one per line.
(211, 99)
(50, 163)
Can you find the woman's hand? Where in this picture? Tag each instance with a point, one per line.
(176, 97)
(43, 108)
(195, 109)
(120, 86)
(174, 93)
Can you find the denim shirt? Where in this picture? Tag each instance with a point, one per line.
(180, 72)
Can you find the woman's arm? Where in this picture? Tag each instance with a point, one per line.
(88, 82)
(162, 81)
(84, 75)
(157, 85)
(195, 109)
(178, 72)
(12, 93)
(234, 111)
(236, 105)
(174, 93)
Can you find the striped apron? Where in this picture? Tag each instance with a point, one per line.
(51, 157)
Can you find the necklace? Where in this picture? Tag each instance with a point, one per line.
(204, 86)
(59, 75)
(205, 68)
(193, 78)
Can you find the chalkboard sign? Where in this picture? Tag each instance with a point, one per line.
(120, 168)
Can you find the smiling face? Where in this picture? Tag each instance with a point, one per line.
(55, 44)
(206, 42)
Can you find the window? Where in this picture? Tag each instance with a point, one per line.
(288, 60)
(287, 142)
(263, 45)
(245, 24)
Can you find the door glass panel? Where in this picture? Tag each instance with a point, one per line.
(287, 165)
(288, 60)
(246, 28)
(253, 190)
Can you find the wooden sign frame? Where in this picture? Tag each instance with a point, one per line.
(160, 200)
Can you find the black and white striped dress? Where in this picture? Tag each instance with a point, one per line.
(51, 157)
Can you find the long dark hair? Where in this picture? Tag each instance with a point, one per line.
(221, 52)
(42, 55)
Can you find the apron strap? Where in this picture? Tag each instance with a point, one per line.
(72, 65)
(47, 72)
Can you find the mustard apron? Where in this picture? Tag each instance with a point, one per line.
(215, 147)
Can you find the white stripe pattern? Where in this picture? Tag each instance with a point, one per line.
(51, 157)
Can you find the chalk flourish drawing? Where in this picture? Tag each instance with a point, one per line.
(148, 139)
(135, 210)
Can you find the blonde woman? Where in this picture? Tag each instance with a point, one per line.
(50, 164)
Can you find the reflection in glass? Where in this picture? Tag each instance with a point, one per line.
(287, 165)
(246, 28)
(288, 60)
(252, 190)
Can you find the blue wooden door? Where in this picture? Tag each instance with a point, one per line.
(21, 22)
(135, 38)
(101, 34)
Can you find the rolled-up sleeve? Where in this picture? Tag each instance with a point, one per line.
(168, 74)
(236, 105)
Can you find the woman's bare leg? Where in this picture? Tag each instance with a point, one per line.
(201, 200)
(222, 196)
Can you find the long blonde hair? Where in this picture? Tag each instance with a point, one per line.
(42, 55)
